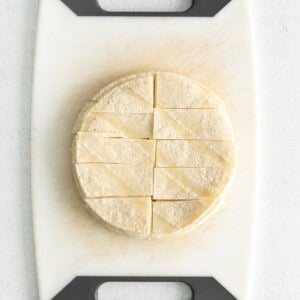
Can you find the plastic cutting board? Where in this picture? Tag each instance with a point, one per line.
(81, 48)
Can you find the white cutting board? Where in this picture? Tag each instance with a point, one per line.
(78, 55)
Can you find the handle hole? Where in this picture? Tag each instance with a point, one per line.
(145, 6)
(144, 290)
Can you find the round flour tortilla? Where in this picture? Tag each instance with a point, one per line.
(152, 154)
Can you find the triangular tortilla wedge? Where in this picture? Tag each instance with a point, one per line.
(127, 125)
(189, 183)
(117, 82)
(177, 216)
(204, 124)
(131, 216)
(195, 153)
(133, 96)
(177, 91)
(113, 180)
(90, 147)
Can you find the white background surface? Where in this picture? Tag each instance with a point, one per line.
(277, 256)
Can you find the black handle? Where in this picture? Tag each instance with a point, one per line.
(199, 8)
(85, 287)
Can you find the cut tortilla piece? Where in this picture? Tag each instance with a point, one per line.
(131, 78)
(177, 216)
(131, 216)
(206, 124)
(133, 96)
(116, 124)
(91, 147)
(189, 183)
(117, 82)
(177, 91)
(195, 153)
(96, 180)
